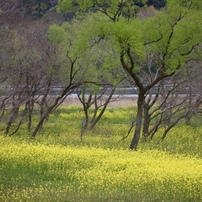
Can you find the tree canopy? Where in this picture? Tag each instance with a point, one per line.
(170, 38)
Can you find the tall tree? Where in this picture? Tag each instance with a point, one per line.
(171, 38)
(73, 40)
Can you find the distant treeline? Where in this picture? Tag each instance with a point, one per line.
(37, 8)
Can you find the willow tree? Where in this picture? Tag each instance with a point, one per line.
(168, 40)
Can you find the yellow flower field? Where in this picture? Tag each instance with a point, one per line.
(31, 171)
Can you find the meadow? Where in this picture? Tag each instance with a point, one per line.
(58, 166)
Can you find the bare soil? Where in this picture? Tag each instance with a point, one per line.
(116, 101)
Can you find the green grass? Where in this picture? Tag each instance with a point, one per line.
(58, 166)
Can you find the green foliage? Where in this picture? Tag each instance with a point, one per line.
(64, 6)
(110, 7)
(171, 37)
(79, 40)
(127, 33)
(84, 5)
(179, 4)
(72, 37)
(174, 35)
(56, 34)
(72, 46)
(73, 5)
(38, 9)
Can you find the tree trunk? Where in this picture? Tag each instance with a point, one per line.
(51, 108)
(96, 119)
(13, 117)
(39, 125)
(146, 121)
(138, 125)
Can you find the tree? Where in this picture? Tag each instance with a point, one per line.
(172, 37)
(95, 102)
(74, 40)
(24, 64)
(175, 102)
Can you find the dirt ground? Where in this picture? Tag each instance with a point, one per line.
(117, 101)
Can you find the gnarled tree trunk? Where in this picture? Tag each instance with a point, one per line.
(138, 125)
